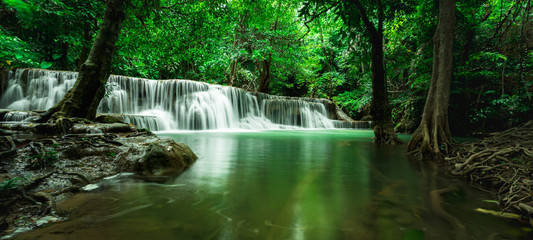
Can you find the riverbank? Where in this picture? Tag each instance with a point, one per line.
(503, 164)
(40, 167)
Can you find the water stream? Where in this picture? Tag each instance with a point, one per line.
(321, 184)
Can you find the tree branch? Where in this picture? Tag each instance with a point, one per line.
(316, 16)
(500, 25)
(364, 16)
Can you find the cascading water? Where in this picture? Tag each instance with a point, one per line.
(41, 91)
(171, 104)
(297, 113)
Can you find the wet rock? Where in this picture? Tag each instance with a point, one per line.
(103, 128)
(366, 118)
(109, 119)
(3, 113)
(71, 161)
(161, 157)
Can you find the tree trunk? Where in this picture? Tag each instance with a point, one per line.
(433, 135)
(233, 73)
(83, 99)
(264, 75)
(379, 107)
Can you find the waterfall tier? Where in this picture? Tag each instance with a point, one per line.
(172, 104)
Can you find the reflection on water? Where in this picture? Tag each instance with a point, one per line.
(290, 185)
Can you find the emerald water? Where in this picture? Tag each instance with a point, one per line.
(323, 184)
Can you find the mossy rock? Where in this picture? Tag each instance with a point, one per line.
(108, 119)
(162, 157)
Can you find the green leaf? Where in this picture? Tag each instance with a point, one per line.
(45, 64)
(56, 56)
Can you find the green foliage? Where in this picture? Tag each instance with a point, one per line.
(11, 183)
(513, 109)
(48, 159)
(16, 53)
(355, 103)
(314, 48)
(46, 33)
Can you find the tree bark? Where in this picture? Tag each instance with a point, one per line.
(264, 75)
(83, 99)
(233, 73)
(379, 107)
(433, 135)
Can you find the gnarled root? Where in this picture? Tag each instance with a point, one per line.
(386, 135)
(63, 125)
(7, 142)
(429, 143)
(503, 162)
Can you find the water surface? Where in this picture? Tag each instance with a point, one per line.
(323, 184)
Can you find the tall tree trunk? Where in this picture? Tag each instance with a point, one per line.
(83, 99)
(264, 75)
(433, 135)
(379, 107)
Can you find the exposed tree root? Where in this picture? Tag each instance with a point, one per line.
(503, 162)
(9, 145)
(431, 140)
(47, 202)
(386, 135)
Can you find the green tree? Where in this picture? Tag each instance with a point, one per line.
(371, 17)
(55, 31)
(83, 99)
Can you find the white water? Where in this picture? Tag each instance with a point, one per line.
(42, 90)
(171, 104)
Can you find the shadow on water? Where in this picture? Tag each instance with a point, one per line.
(331, 184)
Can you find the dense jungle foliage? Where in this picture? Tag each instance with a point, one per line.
(308, 48)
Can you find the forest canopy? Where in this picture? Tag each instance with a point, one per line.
(298, 48)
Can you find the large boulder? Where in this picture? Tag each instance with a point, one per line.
(160, 158)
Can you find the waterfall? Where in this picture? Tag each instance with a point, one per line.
(171, 104)
(297, 113)
(40, 91)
